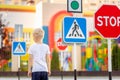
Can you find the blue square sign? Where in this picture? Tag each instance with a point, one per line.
(74, 30)
(19, 48)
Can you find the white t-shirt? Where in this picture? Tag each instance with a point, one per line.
(39, 52)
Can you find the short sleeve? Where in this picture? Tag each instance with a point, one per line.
(30, 50)
(48, 50)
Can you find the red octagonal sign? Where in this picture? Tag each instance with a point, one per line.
(107, 21)
(60, 45)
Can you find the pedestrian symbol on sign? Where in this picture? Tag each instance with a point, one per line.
(19, 49)
(75, 31)
(75, 28)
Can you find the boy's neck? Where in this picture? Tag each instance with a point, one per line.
(39, 42)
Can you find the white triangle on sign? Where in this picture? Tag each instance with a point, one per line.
(19, 49)
(75, 31)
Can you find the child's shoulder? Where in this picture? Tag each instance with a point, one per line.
(45, 44)
(32, 45)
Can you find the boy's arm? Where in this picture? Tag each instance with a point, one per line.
(48, 63)
(30, 63)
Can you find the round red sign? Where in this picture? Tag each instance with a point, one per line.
(60, 45)
(107, 21)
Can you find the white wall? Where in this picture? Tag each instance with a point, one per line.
(43, 15)
(39, 14)
(51, 9)
(25, 18)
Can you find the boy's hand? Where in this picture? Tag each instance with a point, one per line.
(49, 73)
(29, 74)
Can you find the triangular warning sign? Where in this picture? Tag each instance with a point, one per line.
(75, 31)
(19, 49)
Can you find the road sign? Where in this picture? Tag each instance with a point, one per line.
(74, 30)
(107, 21)
(18, 48)
(74, 6)
(60, 45)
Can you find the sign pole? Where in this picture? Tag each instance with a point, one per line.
(61, 65)
(75, 57)
(75, 6)
(75, 65)
(18, 35)
(61, 47)
(107, 29)
(18, 56)
(109, 59)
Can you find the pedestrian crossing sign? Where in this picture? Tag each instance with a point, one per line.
(18, 48)
(74, 30)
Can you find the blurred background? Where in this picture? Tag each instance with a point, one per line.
(49, 14)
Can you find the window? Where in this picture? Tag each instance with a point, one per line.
(23, 2)
(8, 1)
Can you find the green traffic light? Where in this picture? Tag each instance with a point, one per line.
(74, 5)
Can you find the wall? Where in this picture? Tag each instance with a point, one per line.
(25, 18)
(49, 10)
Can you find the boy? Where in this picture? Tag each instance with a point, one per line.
(39, 57)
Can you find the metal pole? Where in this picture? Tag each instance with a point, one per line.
(75, 67)
(18, 73)
(61, 65)
(18, 56)
(18, 40)
(109, 59)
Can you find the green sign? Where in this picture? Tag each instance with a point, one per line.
(74, 6)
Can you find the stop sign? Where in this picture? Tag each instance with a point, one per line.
(60, 45)
(107, 21)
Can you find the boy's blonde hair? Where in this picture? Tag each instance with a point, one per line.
(38, 33)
